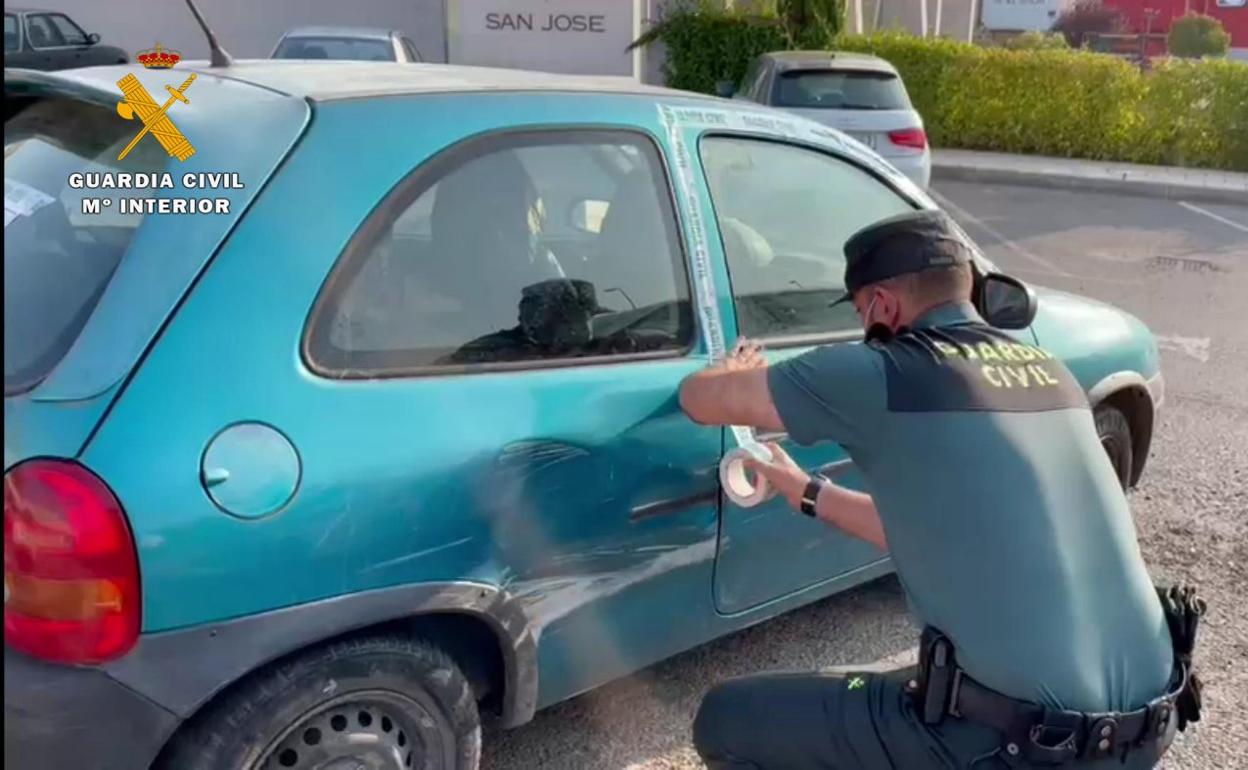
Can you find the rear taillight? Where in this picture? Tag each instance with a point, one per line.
(909, 137)
(71, 573)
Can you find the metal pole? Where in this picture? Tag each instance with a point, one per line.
(970, 24)
(940, 11)
(923, 18)
(858, 16)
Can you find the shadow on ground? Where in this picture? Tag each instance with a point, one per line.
(645, 718)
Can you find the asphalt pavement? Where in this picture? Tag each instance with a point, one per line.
(1182, 267)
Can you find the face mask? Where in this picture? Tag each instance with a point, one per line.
(876, 332)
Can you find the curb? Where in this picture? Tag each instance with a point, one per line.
(1124, 185)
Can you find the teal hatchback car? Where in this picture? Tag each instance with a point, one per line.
(385, 439)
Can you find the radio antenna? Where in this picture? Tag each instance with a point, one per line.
(218, 55)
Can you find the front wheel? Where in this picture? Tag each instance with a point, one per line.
(1115, 433)
(382, 703)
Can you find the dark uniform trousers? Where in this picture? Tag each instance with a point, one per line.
(844, 719)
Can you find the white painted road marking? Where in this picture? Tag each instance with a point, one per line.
(1213, 216)
(1194, 347)
(1009, 244)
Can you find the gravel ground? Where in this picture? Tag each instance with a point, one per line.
(1186, 275)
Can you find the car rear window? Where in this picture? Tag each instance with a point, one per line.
(352, 49)
(841, 90)
(58, 261)
(10, 32)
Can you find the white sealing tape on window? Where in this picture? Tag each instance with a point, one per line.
(22, 200)
(790, 128)
(732, 474)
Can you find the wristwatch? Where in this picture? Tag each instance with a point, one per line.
(810, 495)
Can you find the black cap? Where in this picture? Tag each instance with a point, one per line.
(906, 243)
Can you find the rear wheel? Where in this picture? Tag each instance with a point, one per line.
(381, 703)
(1115, 434)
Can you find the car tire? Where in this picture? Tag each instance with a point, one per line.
(1115, 433)
(384, 701)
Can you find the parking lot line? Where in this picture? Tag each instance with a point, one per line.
(1216, 217)
(962, 213)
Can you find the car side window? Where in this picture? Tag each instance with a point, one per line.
(11, 39)
(784, 213)
(42, 32)
(507, 251)
(71, 33)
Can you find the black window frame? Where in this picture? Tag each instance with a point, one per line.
(48, 15)
(427, 173)
(86, 37)
(786, 341)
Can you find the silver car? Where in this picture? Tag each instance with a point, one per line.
(859, 94)
(346, 44)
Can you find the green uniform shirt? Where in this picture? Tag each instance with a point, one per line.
(1003, 515)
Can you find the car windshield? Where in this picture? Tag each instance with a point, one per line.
(348, 48)
(57, 260)
(10, 32)
(841, 90)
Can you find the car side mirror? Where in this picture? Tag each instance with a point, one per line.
(725, 88)
(93, 38)
(1006, 302)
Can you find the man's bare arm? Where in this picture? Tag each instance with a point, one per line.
(853, 512)
(733, 392)
(719, 397)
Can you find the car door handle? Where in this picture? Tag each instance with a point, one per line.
(675, 504)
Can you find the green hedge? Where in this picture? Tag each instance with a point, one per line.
(1072, 103)
(704, 48)
(1048, 102)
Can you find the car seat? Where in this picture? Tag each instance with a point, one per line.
(634, 250)
(485, 229)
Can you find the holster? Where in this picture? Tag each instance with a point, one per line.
(936, 675)
(1183, 610)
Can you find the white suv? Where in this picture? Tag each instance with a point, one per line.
(859, 94)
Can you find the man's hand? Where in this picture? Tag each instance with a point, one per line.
(784, 475)
(746, 355)
(732, 391)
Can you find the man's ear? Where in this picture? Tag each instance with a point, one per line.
(891, 308)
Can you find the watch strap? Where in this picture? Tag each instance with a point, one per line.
(810, 495)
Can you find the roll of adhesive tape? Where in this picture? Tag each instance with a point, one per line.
(736, 481)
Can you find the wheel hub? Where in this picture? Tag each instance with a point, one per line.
(361, 734)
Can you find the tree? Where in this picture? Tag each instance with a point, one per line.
(1195, 36)
(1085, 19)
(810, 22)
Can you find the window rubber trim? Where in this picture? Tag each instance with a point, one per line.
(429, 172)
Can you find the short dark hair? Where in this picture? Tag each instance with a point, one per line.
(947, 283)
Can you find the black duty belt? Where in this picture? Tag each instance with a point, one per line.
(1048, 736)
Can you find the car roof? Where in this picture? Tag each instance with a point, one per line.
(808, 60)
(343, 31)
(331, 79)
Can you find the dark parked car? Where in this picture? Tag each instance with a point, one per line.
(47, 40)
